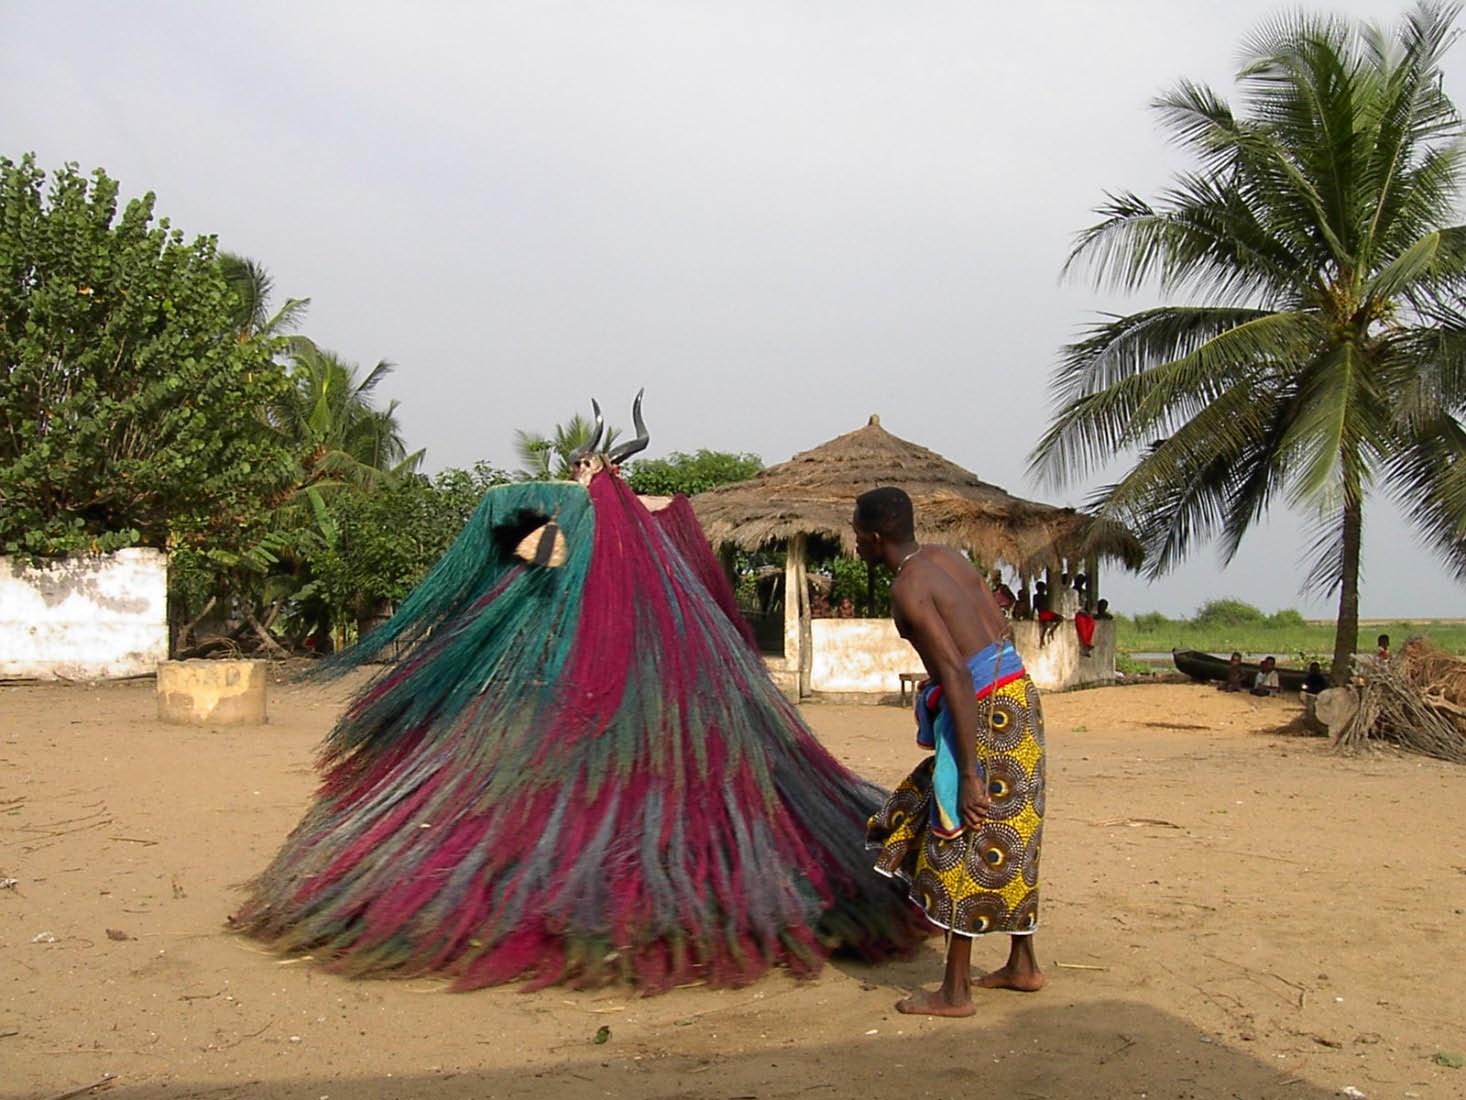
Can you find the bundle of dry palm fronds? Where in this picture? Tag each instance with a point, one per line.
(1416, 700)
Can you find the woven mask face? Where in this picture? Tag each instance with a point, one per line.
(587, 467)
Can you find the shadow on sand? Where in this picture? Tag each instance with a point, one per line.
(1051, 1051)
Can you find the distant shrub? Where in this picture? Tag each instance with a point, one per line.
(1287, 616)
(1228, 612)
(1151, 621)
(1132, 669)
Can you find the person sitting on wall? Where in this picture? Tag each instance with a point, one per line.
(1066, 600)
(1043, 610)
(1081, 591)
(1023, 607)
(1002, 594)
(1084, 628)
(1102, 610)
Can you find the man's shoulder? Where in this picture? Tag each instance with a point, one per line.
(943, 567)
(924, 575)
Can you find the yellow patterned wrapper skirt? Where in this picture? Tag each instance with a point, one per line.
(983, 880)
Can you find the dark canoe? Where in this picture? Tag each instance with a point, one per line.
(1202, 667)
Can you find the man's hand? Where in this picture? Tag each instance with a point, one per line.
(973, 802)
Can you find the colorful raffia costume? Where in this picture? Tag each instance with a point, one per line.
(579, 772)
(972, 881)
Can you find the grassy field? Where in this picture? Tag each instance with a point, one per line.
(1292, 642)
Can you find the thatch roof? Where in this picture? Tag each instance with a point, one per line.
(814, 494)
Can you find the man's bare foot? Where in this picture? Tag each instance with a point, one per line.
(934, 1004)
(1023, 979)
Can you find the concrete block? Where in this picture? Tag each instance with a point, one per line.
(212, 693)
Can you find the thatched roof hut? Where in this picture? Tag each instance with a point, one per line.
(814, 494)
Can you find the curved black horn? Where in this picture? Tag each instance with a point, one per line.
(629, 448)
(590, 445)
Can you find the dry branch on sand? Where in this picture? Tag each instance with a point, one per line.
(1416, 701)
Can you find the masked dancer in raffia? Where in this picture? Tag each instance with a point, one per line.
(580, 771)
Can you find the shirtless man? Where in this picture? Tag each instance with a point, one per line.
(964, 828)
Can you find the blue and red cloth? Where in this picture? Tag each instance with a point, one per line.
(991, 667)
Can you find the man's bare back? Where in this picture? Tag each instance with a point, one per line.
(942, 577)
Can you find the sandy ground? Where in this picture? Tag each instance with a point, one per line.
(1230, 912)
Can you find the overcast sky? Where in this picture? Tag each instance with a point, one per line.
(777, 217)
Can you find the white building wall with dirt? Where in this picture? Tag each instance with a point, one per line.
(84, 617)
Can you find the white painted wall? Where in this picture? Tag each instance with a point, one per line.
(859, 655)
(1059, 663)
(86, 617)
(867, 657)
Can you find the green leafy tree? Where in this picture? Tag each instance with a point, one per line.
(383, 542)
(690, 474)
(1228, 612)
(345, 448)
(129, 410)
(1326, 349)
(1151, 621)
(869, 590)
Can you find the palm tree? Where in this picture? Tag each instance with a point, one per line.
(1326, 353)
(343, 444)
(252, 285)
(543, 458)
(328, 418)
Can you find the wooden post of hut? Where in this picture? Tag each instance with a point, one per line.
(796, 614)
